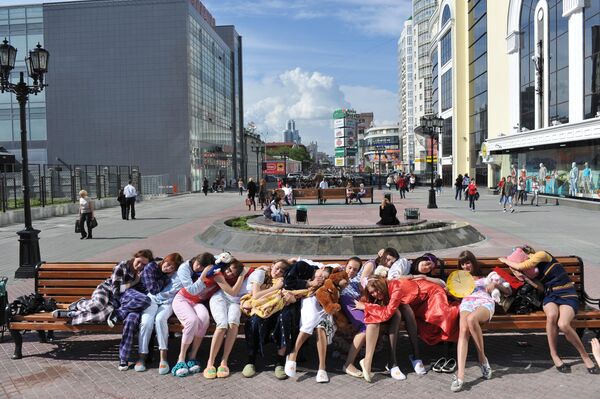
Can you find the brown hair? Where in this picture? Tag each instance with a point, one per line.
(174, 258)
(143, 253)
(205, 259)
(356, 259)
(467, 256)
(379, 284)
(387, 251)
(236, 267)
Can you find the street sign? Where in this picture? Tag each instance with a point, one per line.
(340, 161)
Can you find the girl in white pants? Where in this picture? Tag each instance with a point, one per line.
(157, 315)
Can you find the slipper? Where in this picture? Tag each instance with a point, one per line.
(357, 374)
(417, 365)
(563, 368)
(180, 370)
(210, 373)
(290, 368)
(163, 368)
(367, 376)
(593, 370)
(249, 371)
(140, 366)
(193, 366)
(397, 374)
(223, 372)
(449, 366)
(437, 366)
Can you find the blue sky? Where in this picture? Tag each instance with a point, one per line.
(304, 58)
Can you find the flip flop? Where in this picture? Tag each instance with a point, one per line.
(449, 366)
(223, 372)
(437, 366)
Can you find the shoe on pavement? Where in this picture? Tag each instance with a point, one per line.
(457, 384)
(249, 371)
(322, 376)
(123, 366)
(140, 366)
(397, 374)
(486, 370)
(163, 368)
(280, 373)
(290, 368)
(417, 365)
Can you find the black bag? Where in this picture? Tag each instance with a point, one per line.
(476, 196)
(527, 300)
(93, 223)
(77, 226)
(32, 303)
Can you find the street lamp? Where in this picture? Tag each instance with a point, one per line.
(258, 149)
(37, 66)
(432, 126)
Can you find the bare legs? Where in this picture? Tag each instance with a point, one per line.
(470, 326)
(559, 318)
(194, 351)
(222, 334)
(596, 350)
(321, 347)
(357, 343)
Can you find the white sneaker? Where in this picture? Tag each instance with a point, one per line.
(322, 376)
(417, 365)
(486, 370)
(456, 384)
(397, 374)
(290, 369)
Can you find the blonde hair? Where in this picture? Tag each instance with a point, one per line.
(83, 193)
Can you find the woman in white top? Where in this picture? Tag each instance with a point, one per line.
(86, 213)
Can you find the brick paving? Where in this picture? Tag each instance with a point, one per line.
(84, 365)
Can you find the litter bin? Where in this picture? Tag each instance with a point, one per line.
(411, 213)
(301, 214)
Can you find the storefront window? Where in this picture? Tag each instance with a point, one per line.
(571, 170)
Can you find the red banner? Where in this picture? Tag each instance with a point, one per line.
(274, 168)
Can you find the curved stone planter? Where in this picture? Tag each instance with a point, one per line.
(455, 234)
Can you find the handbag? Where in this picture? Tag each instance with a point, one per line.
(476, 196)
(93, 223)
(77, 226)
(248, 202)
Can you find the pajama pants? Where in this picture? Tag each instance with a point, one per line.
(155, 315)
(193, 316)
(133, 303)
(311, 314)
(355, 317)
(224, 310)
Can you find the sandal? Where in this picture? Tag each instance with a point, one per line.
(437, 366)
(563, 368)
(210, 373)
(449, 366)
(223, 372)
(193, 366)
(180, 370)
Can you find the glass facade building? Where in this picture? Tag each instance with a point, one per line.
(153, 83)
(23, 27)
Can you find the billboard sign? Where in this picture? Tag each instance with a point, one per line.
(338, 123)
(340, 161)
(350, 141)
(339, 133)
(274, 168)
(340, 142)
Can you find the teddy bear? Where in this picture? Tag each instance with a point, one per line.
(495, 277)
(328, 294)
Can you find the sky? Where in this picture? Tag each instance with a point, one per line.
(303, 59)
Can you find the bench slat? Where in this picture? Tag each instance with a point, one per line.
(70, 283)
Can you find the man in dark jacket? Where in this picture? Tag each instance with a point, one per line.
(252, 189)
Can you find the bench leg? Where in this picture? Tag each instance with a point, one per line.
(42, 336)
(18, 340)
(50, 335)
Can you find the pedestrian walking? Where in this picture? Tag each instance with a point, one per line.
(251, 193)
(500, 185)
(507, 194)
(413, 181)
(535, 189)
(438, 185)
(262, 193)
(402, 186)
(473, 194)
(86, 214)
(241, 186)
(130, 198)
(465, 184)
(458, 187)
(520, 191)
(122, 202)
(389, 182)
(205, 186)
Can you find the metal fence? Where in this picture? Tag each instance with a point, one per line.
(164, 184)
(54, 184)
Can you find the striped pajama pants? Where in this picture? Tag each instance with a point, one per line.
(133, 303)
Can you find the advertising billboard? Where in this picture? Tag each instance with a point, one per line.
(339, 133)
(340, 161)
(338, 123)
(274, 168)
(340, 142)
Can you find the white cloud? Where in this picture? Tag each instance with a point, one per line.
(310, 99)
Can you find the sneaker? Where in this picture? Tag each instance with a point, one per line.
(322, 376)
(457, 384)
(417, 365)
(486, 370)
(512, 210)
(397, 374)
(290, 368)
(60, 314)
(504, 210)
(280, 373)
(140, 366)
(123, 366)
(249, 371)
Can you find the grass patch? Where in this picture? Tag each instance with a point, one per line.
(240, 223)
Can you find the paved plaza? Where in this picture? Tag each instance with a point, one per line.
(84, 365)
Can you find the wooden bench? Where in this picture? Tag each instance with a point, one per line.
(68, 282)
(305, 194)
(340, 193)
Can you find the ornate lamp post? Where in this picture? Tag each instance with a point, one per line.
(432, 126)
(258, 149)
(37, 66)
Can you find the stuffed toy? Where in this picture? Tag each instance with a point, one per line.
(221, 261)
(495, 277)
(328, 294)
(381, 271)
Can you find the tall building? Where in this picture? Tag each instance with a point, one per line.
(383, 149)
(422, 12)
(365, 122)
(291, 134)
(406, 94)
(149, 82)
